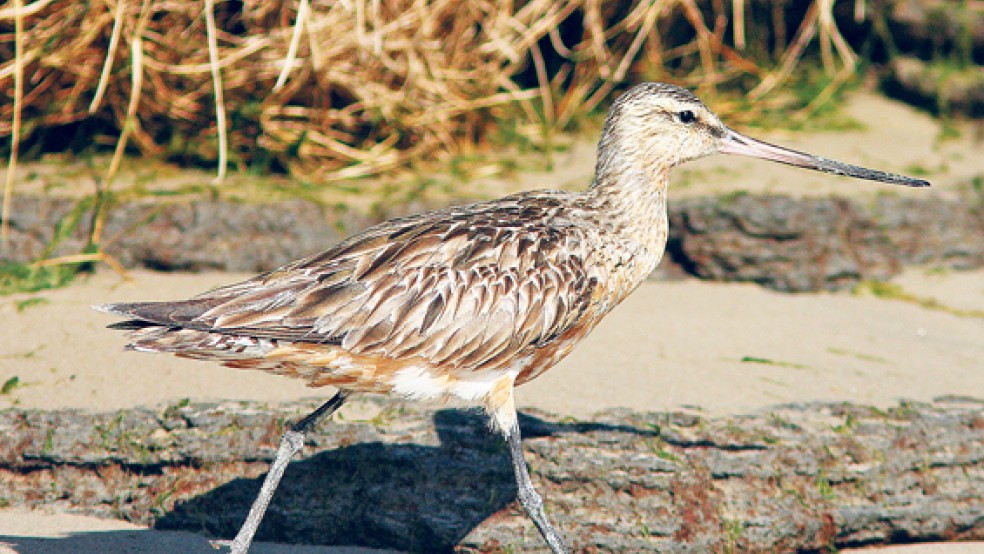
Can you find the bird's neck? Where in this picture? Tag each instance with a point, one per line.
(629, 204)
(630, 190)
(634, 197)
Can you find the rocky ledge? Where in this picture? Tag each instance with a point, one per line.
(804, 477)
(780, 242)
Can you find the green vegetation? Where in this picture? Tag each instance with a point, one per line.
(782, 422)
(892, 291)
(858, 355)
(977, 186)
(22, 305)
(917, 170)
(733, 530)
(33, 277)
(767, 361)
(824, 487)
(658, 447)
(812, 102)
(115, 438)
(846, 428)
(173, 410)
(17, 277)
(22, 355)
(731, 197)
(10, 385)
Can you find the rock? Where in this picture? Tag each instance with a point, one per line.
(814, 244)
(810, 476)
(193, 236)
(937, 28)
(937, 87)
(780, 242)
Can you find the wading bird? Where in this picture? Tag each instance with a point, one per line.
(468, 301)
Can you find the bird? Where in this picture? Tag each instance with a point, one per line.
(468, 301)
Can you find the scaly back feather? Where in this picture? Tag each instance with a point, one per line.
(468, 287)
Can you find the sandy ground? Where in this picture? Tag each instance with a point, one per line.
(716, 348)
(24, 532)
(33, 532)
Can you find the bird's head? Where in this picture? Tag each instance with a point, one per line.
(654, 127)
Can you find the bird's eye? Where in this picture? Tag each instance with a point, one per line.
(687, 117)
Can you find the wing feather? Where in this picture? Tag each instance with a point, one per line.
(468, 286)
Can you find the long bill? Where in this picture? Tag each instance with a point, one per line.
(738, 144)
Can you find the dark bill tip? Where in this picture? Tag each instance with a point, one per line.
(740, 145)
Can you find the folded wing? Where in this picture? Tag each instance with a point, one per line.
(471, 287)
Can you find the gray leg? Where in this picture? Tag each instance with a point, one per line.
(290, 444)
(528, 496)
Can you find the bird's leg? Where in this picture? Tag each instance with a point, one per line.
(290, 444)
(528, 496)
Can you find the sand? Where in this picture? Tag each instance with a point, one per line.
(718, 348)
(35, 532)
(23, 532)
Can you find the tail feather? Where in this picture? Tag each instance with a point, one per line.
(170, 327)
(131, 325)
(171, 314)
(115, 309)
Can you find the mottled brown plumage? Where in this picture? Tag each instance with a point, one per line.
(466, 292)
(467, 301)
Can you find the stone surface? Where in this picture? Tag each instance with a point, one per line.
(938, 87)
(936, 28)
(780, 242)
(814, 244)
(796, 477)
(937, 47)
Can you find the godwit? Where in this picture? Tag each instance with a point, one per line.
(469, 301)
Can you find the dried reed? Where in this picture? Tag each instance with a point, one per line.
(15, 126)
(345, 89)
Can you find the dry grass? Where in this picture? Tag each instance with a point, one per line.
(350, 88)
